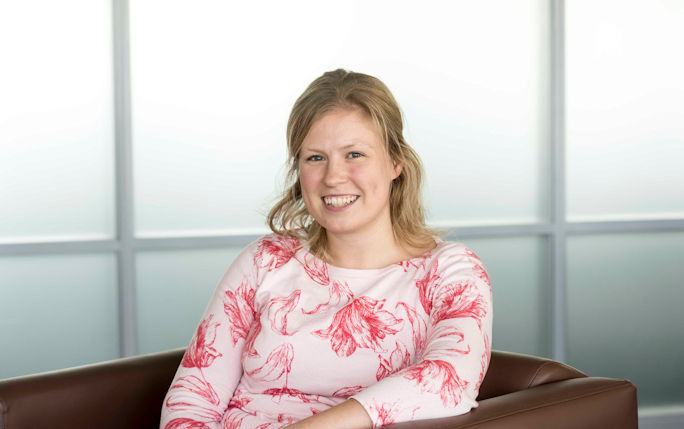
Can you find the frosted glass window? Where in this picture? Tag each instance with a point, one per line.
(625, 295)
(57, 312)
(174, 288)
(56, 121)
(625, 120)
(210, 102)
(517, 270)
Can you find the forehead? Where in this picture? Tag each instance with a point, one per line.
(342, 127)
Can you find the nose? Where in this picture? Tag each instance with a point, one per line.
(335, 173)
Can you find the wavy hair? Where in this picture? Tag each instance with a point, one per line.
(342, 89)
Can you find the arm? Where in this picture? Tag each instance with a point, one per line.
(452, 347)
(347, 415)
(211, 368)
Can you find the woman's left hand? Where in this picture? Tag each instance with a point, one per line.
(347, 415)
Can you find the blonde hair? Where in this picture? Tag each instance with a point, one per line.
(341, 89)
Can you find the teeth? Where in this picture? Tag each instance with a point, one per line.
(340, 201)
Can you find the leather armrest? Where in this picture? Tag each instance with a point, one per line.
(580, 403)
(511, 372)
(129, 393)
(123, 393)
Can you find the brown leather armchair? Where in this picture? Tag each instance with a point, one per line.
(519, 391)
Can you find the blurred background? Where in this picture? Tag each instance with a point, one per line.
(143, 142)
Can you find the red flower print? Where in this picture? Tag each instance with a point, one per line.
(338, 293)
(200, 353)
(233, 421)
(457, 301)
(279, 308)
(439, 377)
(484, 360)
(416, 263)
(346, 392)
(238, 400)
(239, 307)
(418, 327)
(195, 385)
(177, 400)
(317, 270)
(282, 418)
(278, 392)
(386, 413)
(185, 423)
(442, 331)
(274, 251)
(400, 358)
(480, 272)
(272, 425)
(427, 286)
(252, 336)
(472, 254)
(278, 363)
(362, 323)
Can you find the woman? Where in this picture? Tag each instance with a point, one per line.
(352, 314)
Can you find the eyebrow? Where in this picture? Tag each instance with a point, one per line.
(345, 147)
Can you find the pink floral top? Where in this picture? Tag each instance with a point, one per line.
(286, 336)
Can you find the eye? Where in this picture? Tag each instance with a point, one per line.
(355, 155)
(315, 158)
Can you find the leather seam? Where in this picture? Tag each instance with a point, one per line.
(542, 366)
(536, 373)
(574, 398)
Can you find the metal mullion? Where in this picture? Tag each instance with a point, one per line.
(167, 243)
(124, 179)
(557, 134)
(486, 231)
(607, 227)
(81, 246)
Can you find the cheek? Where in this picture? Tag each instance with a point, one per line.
(376, 179)
(305, 179)
(306, 182)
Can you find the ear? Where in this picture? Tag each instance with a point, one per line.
(397, 169)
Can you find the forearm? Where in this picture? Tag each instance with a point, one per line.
(347, 415)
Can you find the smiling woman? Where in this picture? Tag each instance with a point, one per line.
(357, 116)
(345, 175)
(352, 314)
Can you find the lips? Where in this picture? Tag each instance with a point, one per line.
(339, 200)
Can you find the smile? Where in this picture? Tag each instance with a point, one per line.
(340, 201)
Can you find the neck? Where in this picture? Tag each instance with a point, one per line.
(366, 251)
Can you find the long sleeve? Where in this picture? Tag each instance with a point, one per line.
(211, 367)
(451, 344)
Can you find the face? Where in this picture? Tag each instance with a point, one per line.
(345, 174)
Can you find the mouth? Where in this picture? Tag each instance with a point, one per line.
(339, 200)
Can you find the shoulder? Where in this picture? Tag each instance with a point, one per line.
(268, 250)
(456, 260)
(273, 250)
(454, 252)
(261, 256)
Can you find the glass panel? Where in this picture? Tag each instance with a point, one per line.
(625, 122)
(174, 288)
(56, 121)
(57, 312)
(625, 299)
(517, 270)
(210, 103)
